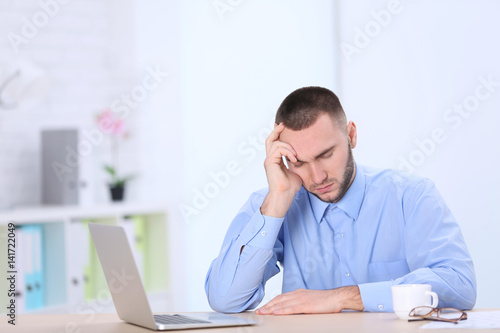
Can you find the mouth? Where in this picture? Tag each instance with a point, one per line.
(324, 189)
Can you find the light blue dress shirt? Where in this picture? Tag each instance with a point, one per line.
(389, 228)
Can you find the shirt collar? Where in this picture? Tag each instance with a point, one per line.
(350, 202)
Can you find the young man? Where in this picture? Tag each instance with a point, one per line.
(343, 233)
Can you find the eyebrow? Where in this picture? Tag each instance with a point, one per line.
(320, 154)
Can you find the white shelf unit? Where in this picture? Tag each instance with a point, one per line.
(160, 241)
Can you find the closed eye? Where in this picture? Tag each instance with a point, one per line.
(297, 164)
(327, 155)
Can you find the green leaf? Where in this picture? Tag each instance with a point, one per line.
(118, 182)
(109, 169)
(115, 180)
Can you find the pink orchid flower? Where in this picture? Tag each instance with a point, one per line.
(108, 123)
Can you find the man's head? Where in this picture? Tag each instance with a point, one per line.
(317, 129)
(302, 108)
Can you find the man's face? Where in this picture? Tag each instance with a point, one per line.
(325, 162)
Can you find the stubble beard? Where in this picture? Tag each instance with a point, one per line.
(346, 179)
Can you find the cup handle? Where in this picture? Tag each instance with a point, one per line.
(435, 298)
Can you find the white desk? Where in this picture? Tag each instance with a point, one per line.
(342, 322)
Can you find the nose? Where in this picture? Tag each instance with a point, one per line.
(318, 174)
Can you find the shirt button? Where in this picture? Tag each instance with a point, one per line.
(380, 307)
(263, 233)
(347, 274)
(342, 235)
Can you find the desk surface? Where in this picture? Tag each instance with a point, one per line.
(341, 322)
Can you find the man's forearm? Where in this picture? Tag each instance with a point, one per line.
(234, 282)
(277, 204)
(234, 285)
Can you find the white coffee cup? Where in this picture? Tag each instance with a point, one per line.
(406, 297)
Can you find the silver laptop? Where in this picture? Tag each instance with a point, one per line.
(127, 290)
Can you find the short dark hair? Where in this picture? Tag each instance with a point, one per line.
(302, 108)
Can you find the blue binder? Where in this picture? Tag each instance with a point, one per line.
(33, 267)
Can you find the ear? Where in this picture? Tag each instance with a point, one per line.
(352, 134)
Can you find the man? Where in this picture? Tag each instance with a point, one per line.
(343, 233)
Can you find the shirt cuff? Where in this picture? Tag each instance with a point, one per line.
(376, 296)
(261, 231)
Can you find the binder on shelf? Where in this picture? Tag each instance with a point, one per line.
(96, 285)
(142, 246)
(136, 240)
(77, 246)
(4, 283)
(21, 270)
(56, 250)
(35, 284)
(155, 253)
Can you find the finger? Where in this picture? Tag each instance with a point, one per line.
(278, 302)
(288, 310)
(274, 135)
(276, 157)
(272, 162)
(263, 311)
(282, 144)
(279, 147)
(266, 309)
(284, 307)
(269, 304)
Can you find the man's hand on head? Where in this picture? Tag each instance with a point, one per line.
(283, 184)
(314, 301)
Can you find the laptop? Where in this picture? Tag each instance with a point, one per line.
(127, 290)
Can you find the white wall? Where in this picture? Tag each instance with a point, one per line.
(229, 67)
(403, 84)
(157, 36)
(86, 51)
(235, 73)
(398, 87)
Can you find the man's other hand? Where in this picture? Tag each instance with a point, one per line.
(314, 301)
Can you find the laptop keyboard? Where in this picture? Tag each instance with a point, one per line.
(177, 319)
